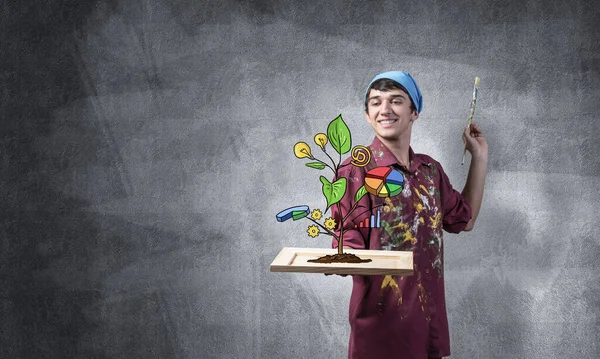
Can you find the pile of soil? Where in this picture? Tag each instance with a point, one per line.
(340, 258)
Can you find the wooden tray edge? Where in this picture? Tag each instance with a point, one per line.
(286, 256)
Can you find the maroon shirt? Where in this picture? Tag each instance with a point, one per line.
(402, 316)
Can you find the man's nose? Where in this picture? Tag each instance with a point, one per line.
(386, 107)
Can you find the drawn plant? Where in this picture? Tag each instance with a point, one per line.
(339, 138)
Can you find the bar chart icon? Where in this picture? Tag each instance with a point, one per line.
(372, 222)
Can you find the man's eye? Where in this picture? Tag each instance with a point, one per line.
(396, 102)
(375, 103)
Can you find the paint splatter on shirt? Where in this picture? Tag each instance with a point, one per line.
(394, 316)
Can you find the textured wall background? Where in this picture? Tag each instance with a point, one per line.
(146, 147)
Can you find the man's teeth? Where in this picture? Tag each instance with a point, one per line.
(387, 122)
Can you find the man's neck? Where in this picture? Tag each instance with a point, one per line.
(400, 148)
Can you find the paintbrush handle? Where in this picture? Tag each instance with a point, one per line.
(471, 113)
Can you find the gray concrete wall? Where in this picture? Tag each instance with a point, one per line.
(146, 147)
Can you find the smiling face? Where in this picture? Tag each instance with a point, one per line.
(390, 114)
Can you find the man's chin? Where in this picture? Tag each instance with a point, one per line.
(390, 137)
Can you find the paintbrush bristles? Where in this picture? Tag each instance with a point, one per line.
(476, 81)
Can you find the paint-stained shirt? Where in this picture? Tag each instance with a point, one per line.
(401, 316)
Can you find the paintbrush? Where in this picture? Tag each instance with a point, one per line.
(470, 120)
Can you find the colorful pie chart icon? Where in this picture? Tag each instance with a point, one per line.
(384, 182)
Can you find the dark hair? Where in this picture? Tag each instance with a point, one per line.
(387, 85)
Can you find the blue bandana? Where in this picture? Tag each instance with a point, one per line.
(404, 79)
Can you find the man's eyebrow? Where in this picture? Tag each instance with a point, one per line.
(392, 96)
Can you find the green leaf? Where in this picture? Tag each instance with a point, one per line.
(339, 135)
(360, 193)
(317, 165)
(333, 191)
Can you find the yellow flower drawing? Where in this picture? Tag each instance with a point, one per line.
(313, 231)
(316, 214)
(330, 223)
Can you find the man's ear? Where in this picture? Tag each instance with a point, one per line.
(414, 116)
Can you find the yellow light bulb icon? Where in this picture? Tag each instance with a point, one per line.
(321, 140)
(302, 150)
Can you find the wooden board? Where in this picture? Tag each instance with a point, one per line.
(383, 262)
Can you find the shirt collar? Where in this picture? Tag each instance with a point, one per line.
(384, 157)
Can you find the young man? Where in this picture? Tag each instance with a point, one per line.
(405, 317)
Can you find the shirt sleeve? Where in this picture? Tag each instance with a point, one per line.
(457, 212)
(353, 237)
